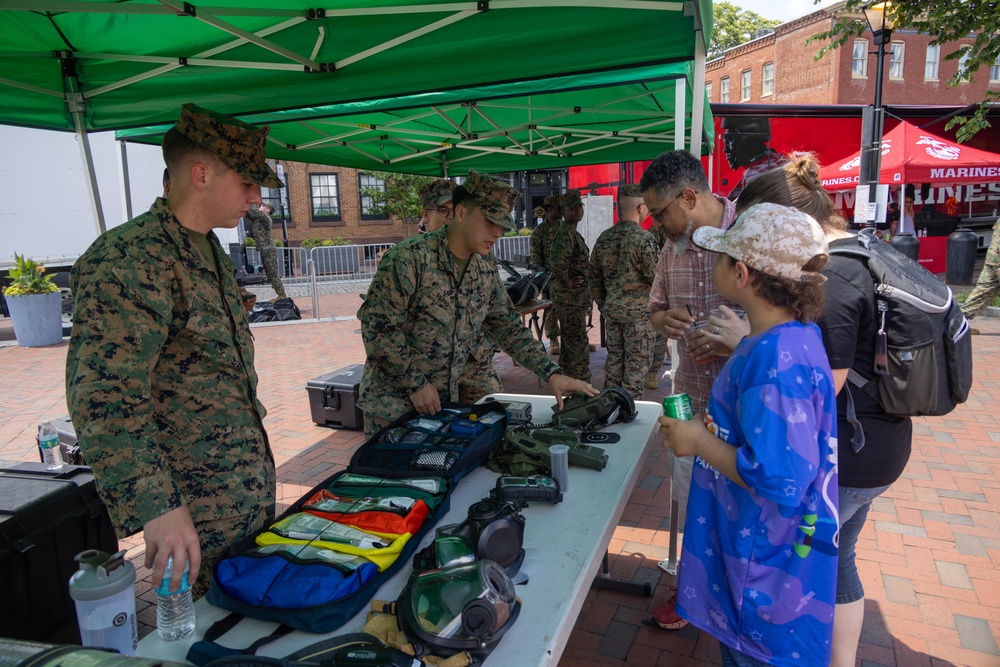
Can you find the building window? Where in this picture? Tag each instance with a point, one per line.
(963, 64)
(859, 60)
(708, 91)
(744, 85)
(370, 209)
(767, 87)
(272, 196)
(995, 71)
(896, 61)
(931, 62)
(324, 194)
(724, 90)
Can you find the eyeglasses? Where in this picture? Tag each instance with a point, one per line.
(656, 215)
(445, 211)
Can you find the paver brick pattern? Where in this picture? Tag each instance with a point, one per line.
(929, 556)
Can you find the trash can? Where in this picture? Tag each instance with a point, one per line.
(960, 256)
(906, 243)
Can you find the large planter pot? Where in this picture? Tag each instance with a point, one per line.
(37, 318)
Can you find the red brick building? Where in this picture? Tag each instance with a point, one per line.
(326, 202)
(779, 68)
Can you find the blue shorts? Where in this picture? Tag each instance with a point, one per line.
(854, 505)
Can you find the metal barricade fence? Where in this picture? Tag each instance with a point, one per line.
(511, 248)
(291, 263)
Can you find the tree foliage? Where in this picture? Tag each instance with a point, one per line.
(946, 21)
(734, 26)
(400, 199)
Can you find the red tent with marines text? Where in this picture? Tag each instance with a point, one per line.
(913, 155)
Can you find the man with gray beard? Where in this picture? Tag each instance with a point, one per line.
(678, 197)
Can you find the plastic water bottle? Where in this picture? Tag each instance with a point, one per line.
(48, 442)
(174, 611)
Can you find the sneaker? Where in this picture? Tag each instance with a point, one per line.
(666, 615)
(652, 382)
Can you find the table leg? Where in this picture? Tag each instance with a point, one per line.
(670, 564)
(604, 580)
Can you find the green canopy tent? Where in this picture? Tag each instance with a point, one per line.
(87, 65)
(613, 116)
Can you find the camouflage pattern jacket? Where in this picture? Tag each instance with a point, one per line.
(569, 259)
(160, 379)
(541, 244)
(419, 325)
(622, 269)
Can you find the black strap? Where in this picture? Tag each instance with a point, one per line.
(222, 626)
(858, 439)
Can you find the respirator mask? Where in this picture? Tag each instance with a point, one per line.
(493, 529)
(465, 607)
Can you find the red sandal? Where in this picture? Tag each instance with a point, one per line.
(666, 615)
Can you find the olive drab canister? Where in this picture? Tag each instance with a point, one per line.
(103, 589)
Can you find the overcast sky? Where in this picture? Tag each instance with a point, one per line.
(783, 10)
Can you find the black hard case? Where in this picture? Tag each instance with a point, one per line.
(333, 398)
(46, 518)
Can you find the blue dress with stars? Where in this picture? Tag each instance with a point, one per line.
(759, 568)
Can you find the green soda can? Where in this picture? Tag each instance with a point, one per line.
(678, 406)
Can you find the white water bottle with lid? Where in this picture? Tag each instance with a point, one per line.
(174, 610)
(103, 592)
(48, 442)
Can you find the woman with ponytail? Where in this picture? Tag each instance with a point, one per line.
(848, 325)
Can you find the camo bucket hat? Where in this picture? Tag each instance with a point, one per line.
(773, 239)
(496, 199)
(239, 145)
(552, 200)
(436, 192)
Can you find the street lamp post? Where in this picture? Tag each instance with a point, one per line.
(880, 21)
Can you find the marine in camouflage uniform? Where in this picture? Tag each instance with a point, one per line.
(541, 251)
(160, 378)
(988, 284)
(661, 344)
(622, 268)
(261, 226)
(571, 299)
(423, 314)
(479, 378)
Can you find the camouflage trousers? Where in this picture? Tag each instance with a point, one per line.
(987, 287)
(574, 355)
(479, 378)
(218, 535)
(268, 256)
(629, 347)
(373, 425)
(661, 347)
(551, 319)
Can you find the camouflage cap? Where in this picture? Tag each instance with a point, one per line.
(494, 197)
(629, 190)
(570, 199)
(773, 239)
(239, 145)
(552, 200)
(436, 192)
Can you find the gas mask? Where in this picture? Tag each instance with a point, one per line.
(493, 530)
(466, 607)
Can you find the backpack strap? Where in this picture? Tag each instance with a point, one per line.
(858, 439)
(207, 650)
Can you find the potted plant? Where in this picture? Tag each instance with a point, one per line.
(34, 303)
(336, 255)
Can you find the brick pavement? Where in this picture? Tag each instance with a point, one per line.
(929, 557)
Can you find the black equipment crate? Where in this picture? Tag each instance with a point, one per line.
(46, 518)
(333, 398)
